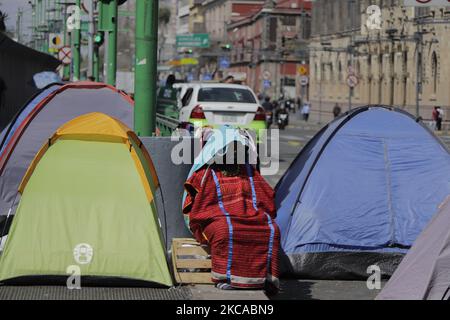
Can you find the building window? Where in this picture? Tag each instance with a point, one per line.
(273, 23)
(289, 21)
(340, 75)
(331, 72)
(434, 71)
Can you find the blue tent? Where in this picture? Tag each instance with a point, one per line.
(10, 129)
(359, 194)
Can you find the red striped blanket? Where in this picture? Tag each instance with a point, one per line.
(250, 259)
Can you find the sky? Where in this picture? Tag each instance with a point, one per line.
(11, 7)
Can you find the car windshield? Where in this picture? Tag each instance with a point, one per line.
(225, 95)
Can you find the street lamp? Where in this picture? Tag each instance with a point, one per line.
(418, 37)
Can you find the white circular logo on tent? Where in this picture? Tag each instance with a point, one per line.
(83, 253)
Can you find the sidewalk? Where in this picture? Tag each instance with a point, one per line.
(290, 290)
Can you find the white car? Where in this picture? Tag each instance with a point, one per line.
(216, 104)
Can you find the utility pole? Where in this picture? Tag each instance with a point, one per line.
(19, 25)
(351, 47)
(67, 42)
(146, 67)
(76, 46)
(320, 91)
(108, 24)
(91, 39)
(419, 48)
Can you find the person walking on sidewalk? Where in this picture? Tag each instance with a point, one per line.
(306, 110)
(440, 118)
(337, 110)
(434, 116)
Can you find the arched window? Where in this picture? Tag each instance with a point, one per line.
(434, 71)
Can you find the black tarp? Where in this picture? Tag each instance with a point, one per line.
(18, 64)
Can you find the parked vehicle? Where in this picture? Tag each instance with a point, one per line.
(216, 104)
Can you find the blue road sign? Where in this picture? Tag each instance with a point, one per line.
(224, 63)
(267, 84)
(207, 77)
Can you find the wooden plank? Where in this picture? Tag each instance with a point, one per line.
(193, 264)
(197, 277)
(190, 247)
(174, 262)
(185, 241)
(189, 251)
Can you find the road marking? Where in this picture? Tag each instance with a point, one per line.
(294, 143)
(293, 138)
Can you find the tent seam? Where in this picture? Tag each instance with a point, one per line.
(387, 166)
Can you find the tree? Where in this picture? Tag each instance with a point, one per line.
(3, 17)
(164, 16)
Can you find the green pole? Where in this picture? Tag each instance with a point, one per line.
(66, 69)
(46, 26)
(33, 22)
(76, 41)
(96, 65)
(112, 43)
(146, 67)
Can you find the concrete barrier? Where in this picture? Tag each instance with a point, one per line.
(172, 178)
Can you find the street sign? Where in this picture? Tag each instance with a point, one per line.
(352, 81)
(65, 55)
(303, 70)
(351, 70)
(188, 62)
(198, 40)
(207, 77)
(55, 42)
(266, 75)
(304, 80)
(267, 84)
(224, 63)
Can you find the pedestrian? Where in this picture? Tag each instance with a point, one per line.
(440, 118)
(267, 105)
(299, 103)
(227, 195)
(434, 117)
(167, 101)
(337, 110)
(229, 80)
(306, 110)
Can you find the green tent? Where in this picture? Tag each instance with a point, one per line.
(87, 201)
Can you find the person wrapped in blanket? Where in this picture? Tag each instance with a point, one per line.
(231, 208)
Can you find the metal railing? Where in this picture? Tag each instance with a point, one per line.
(166, 125)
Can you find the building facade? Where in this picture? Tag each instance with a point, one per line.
(400, 62)
(269, 47)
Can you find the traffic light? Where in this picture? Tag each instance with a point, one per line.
(226, 47)
(99, 39)
(188, 51)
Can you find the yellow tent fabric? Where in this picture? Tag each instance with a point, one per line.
(101, 127)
